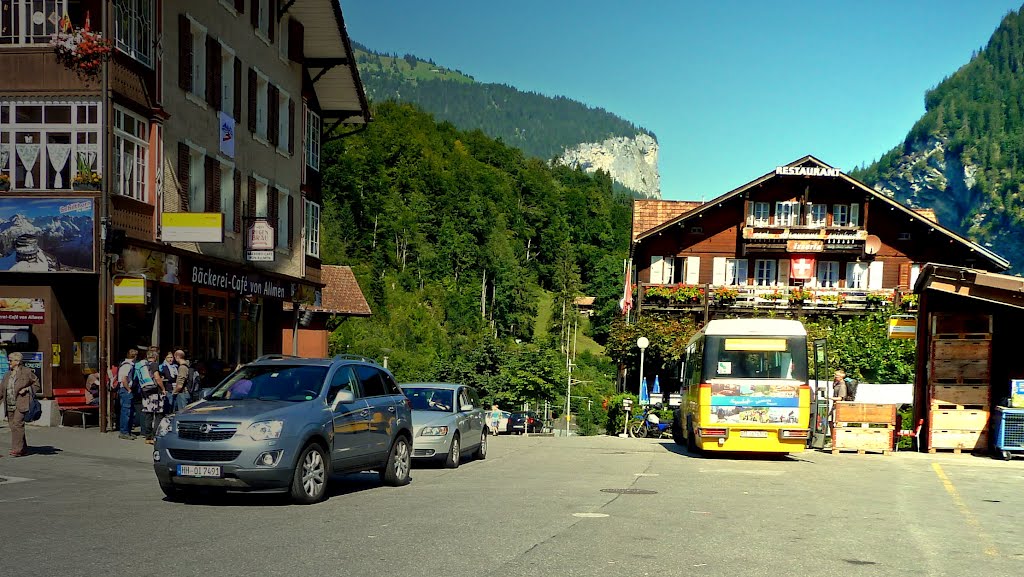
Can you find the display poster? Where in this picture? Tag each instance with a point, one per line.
(34, 361)
(750, 414)
(755, 395)
(90, 355)
(22, 311)
(155, 265)
(46, 234)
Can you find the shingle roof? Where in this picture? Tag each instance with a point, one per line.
(341, 294)
(649, 213)
(928, 213)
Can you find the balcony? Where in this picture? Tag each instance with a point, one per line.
(802, 238)
(798, 300)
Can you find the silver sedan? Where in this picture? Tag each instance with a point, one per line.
(448, 422)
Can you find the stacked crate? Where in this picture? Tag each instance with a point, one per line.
(863, 427)
(959, 388)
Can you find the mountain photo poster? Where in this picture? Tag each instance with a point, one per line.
(46, 234)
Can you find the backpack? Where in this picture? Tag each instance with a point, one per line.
(193, 383)
(851, 389)
(133, 380)
(145, 383)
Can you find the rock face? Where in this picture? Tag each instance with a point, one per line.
(632, 162)
(929, 177)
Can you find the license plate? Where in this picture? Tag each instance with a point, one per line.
(198, 471)
(755, 434)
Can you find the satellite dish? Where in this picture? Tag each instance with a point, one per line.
(872, 244)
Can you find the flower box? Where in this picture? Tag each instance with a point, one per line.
(85, 186)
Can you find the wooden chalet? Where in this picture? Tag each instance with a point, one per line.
(804, 237)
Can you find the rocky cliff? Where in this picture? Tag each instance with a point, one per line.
(632, 162)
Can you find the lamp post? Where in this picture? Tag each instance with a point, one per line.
(642, 343)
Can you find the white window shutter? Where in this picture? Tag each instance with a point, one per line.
(692, 270)
(783, 272)
(875, 275)
(750, 213)
(657, 272)
(854, 214)
(851, 273)
(915, 271)
(742, 274)
(718, 270)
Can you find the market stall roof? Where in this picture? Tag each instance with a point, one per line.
(972, 283)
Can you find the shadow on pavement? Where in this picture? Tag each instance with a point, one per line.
(730, 456)
(44, 450)
(336, 487)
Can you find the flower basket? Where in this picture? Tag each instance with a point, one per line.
(909, 301)
(86, 181)
(725, 295)
(5, 183)
(799, 294)
(81, 49)
(875, 300)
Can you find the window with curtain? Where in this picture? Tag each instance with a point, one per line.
(131, 149)
(133, 29)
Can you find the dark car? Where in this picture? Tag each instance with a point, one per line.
(284, 423)
(528, 422)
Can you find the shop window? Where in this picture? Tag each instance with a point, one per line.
(45, 143)
(182, 329)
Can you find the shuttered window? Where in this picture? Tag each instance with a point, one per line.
(199, 59)
(238, 201)
(227, 195)
(283, 219)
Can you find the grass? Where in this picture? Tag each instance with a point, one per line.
(543, 319)
(422, 71)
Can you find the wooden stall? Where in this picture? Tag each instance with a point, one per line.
(863, 427)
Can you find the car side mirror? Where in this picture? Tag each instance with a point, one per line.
(465, 408)
(344, 396)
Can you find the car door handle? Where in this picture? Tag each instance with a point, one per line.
(391, 409)
(365, 412)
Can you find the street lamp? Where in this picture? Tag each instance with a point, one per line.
(642, 343)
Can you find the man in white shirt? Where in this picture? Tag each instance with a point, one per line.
(124, 395)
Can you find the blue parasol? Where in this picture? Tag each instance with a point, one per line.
(656, 391)
(645, 397)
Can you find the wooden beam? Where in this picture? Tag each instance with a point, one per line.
(284, 8)
(326, 62)
(320, 74)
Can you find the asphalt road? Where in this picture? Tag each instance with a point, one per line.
(90, 505)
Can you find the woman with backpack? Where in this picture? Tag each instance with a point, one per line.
(15, 389)
(152, 390)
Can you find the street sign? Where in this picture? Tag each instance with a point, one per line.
(261, 236)
(192, 227)
(259, 255)
(902, 327)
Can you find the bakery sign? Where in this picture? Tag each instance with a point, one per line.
(805, 246)
(22, 311)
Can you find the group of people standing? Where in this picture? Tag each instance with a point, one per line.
(152, 388)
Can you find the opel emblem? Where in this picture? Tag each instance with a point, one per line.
(204, 428)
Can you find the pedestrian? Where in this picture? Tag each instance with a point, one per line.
(169, 372)
(125, 380)
(18, 383)
(152, 392)
(183, 382)
(495, 419)
(838, 391)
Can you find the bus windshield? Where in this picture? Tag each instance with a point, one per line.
(775, 357)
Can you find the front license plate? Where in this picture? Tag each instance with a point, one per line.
(755, 434)
(198, 471)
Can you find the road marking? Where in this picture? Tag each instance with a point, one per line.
(645, 474)
(590, 515)
(990, 548)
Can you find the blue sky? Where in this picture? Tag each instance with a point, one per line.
(730, 88)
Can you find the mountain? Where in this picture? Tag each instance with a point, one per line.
(550, 128)
(965, 156)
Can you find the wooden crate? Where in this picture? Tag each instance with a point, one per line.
(861, 439)
(959, 419)
(850, 412)
(959, 396)
(956, 325)
(957, 440)
(960, 371)
(948, 349)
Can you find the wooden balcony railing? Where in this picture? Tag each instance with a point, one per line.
(693, 297)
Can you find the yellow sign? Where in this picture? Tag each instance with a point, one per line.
(129, 291)
(755, 344)
(902, 327)
(192, 227)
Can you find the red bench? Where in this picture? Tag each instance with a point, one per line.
(73, 401)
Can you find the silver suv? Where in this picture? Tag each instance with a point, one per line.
(285, 423)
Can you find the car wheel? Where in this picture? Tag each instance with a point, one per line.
(396, 472)
(309, 481)
(454, 454)
(173, 494)
(481, 451)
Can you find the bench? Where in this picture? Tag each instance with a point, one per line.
(73, 401)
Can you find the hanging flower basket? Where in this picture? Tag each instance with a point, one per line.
(81, 49)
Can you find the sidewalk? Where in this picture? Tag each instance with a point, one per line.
(75, 440)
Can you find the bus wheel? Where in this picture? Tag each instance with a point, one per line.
(677, 431)
(691, 442)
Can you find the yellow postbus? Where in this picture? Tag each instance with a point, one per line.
(744, 388)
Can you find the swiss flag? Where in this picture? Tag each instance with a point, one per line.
(801, 268)
(626, 302)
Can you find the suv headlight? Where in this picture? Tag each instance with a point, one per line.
(433, 431)
(265, 430)
(165, 428)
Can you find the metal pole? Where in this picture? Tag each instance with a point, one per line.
(103, 346)
(640, 383)
(295, 330)
(568, 401)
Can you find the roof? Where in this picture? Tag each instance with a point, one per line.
(972, 283)
(995, 259)
(927, 213)
(341, 294)
(328, 54)
(766, 327)
(584, 301)
(649, 213)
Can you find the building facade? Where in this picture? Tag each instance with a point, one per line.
(805, 237)
(169, 194)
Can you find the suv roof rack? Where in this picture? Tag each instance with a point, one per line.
(273, 356)
(354, 358)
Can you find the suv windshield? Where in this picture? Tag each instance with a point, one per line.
(272, 383)
(429, 399)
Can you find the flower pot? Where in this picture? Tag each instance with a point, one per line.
(5, 186)
(85, 186)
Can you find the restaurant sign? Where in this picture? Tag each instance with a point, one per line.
(22, 311)
(805, 246)
(239, 282)
(808, 171)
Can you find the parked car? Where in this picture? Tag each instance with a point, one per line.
(528, 422)
(503, 423)
(448, 422)
(285, 423)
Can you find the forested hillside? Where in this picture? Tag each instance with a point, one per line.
(541, 126)
(452, 235)
(965, 156)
